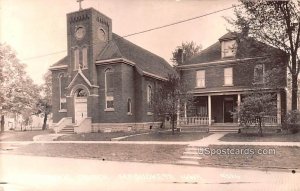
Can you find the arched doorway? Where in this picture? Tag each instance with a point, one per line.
(80, 105)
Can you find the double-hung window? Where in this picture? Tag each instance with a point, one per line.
(228, 77)
(200, 79)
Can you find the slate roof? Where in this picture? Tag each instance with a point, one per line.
(246, 48)
(145, 60)
(122, 48)
(61, 62)
(228, 36)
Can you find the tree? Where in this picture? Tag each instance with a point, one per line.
(170, 98)
(44, 105)
(260, 103)
(255, 107)
(185, 51)
(18, 93)
(276, 23)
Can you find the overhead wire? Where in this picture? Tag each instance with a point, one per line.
(144, 31)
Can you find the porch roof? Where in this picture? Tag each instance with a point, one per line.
(228, 90)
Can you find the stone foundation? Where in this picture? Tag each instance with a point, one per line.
(114, 127)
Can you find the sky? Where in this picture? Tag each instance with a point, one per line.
(36, 29)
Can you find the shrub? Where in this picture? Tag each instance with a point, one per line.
(292, 121)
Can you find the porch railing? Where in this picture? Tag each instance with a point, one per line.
(192, 121)
(266, 121)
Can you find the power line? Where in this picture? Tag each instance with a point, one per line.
(145, 31)
(178, 22)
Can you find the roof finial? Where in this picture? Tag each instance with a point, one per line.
(79, 1)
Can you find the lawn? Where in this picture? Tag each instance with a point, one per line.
(168, 136)
(270, 137)
(111, 152)
(95, 136)
(274, 157)
(22, 135)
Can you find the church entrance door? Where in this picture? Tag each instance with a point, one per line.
(80, 105)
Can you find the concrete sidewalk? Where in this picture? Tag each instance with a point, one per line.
(214, 140)
(209, 140)
(48, 173)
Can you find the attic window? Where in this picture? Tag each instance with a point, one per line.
(228, 48)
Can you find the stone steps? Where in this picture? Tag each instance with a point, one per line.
(69, 129)
(224, 130)
(190, 156)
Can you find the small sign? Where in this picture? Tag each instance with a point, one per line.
(63, 100)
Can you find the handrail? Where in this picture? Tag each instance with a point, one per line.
(190, 121)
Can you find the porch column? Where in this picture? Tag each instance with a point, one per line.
(278, 108)
(209, 110)
(178, 114)
(238, 106)
(185, 113)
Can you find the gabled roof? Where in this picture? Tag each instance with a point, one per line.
(228, 36)
(247, 47)
(61, 62)
(145, 60)
(80, 74)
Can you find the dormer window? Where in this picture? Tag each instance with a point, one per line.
(228, 48)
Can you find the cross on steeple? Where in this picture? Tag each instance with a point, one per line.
(79, 1)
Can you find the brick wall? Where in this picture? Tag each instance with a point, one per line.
(55, 97)
(243, 74)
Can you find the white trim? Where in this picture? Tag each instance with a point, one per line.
(108, 98)
(221, 92)
(94, 95)
(278, 108)
(126, 61)
(76, 87)
(62, 111)
(58, 67)
(84, 78)
(226, 76)
(202, 79)
(109, 109)
(116, 61)
(190, 66)
(154, 76)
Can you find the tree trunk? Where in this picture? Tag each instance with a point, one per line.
(260, 131)
(45, 121)
(2, 123)
(294, 92)
(173, 125)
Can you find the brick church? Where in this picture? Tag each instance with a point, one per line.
(105, 82)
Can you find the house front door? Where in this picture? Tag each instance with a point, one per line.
(80, 109)
(80, 106)
(228, 108)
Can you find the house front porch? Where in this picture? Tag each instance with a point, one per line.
(215, 112)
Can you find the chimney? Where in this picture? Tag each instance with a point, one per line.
(180, 58)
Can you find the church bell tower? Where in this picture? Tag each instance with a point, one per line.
(88, 32)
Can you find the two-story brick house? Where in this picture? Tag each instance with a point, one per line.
(222, 74)
(105, 83)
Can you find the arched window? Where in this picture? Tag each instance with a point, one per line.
(109, 88)
(149, 96)
(76, 59)
(81, 93)
(62, 97)
(129, 111)
(84, 57)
